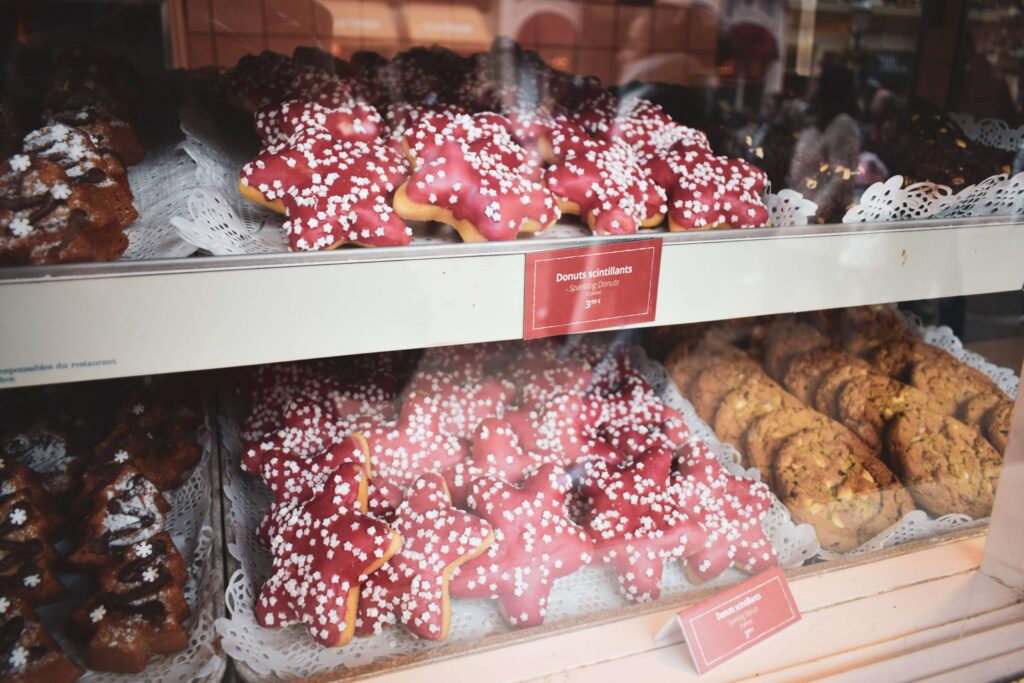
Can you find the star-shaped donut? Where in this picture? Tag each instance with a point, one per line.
(496, 453)
(323, 548)
(636, 522)
(709, 191)
(730, 509)
(277, 124)
(604, 182)
(535, 543)
(412, 587)
(480, 183)
(334, 191)
(289, 473)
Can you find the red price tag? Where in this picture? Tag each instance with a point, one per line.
(590, 288)
(732, 621)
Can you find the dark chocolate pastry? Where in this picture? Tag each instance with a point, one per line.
(27, 652)
(139, 608)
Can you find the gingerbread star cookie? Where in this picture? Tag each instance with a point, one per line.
(412, 587)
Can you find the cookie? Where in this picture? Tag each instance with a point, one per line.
(863, 329)
(974, 410)
(950, 382)
(866, 404)
(846, 498)
(787, 338)
(739, 408)
(711, 385)
(805, 371)
(827, 393)
(947, 466)
(767, 433)
(997, 425)
(896, 358)
(689, 359)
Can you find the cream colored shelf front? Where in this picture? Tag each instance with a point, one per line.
(107, 320)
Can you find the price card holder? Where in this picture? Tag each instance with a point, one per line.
(723, 626)
(591, 288)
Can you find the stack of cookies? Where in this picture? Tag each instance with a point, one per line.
(850, 418)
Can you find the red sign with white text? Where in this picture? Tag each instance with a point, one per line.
(590, 288)
(729, 623)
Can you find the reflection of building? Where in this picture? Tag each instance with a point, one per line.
(220, 31)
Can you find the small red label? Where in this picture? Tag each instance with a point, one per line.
(590, 288)
(729, 623)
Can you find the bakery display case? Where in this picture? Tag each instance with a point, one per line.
(478, 339)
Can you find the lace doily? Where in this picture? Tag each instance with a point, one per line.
(991, 132)
(160, 185)
(190, 524)
(289, 652)
(219, 220)
(998, 195)
(789, 208)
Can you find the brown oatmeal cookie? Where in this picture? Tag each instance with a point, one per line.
(786, 338)
(973, 411)
(805, 371)
(717, 380)
(947, 466)
(896, 359)
(866, 404)
(846, 498)
(768, 432)
(950, 382)
(739, 408)
(826, 395)
(997, 425)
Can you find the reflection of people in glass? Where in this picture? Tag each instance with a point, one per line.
(825, 159)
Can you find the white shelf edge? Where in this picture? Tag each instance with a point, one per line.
(133, 319)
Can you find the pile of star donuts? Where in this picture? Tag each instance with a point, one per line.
(480, 472)
(495, 144)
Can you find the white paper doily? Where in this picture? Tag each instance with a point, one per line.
(990, 132)
(998, 195)
(160, 185)
(290, 652)
(189, 524)
(789, 208)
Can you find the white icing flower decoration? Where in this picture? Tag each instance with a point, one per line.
(60, 191)
(20, 227)
(19, 658)
(144, 550)
(121, 456)
(138, 409)
(18, 516)
(20, 162)
(150, 575)
(98, 613)
(4, 604)
(31, 581)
